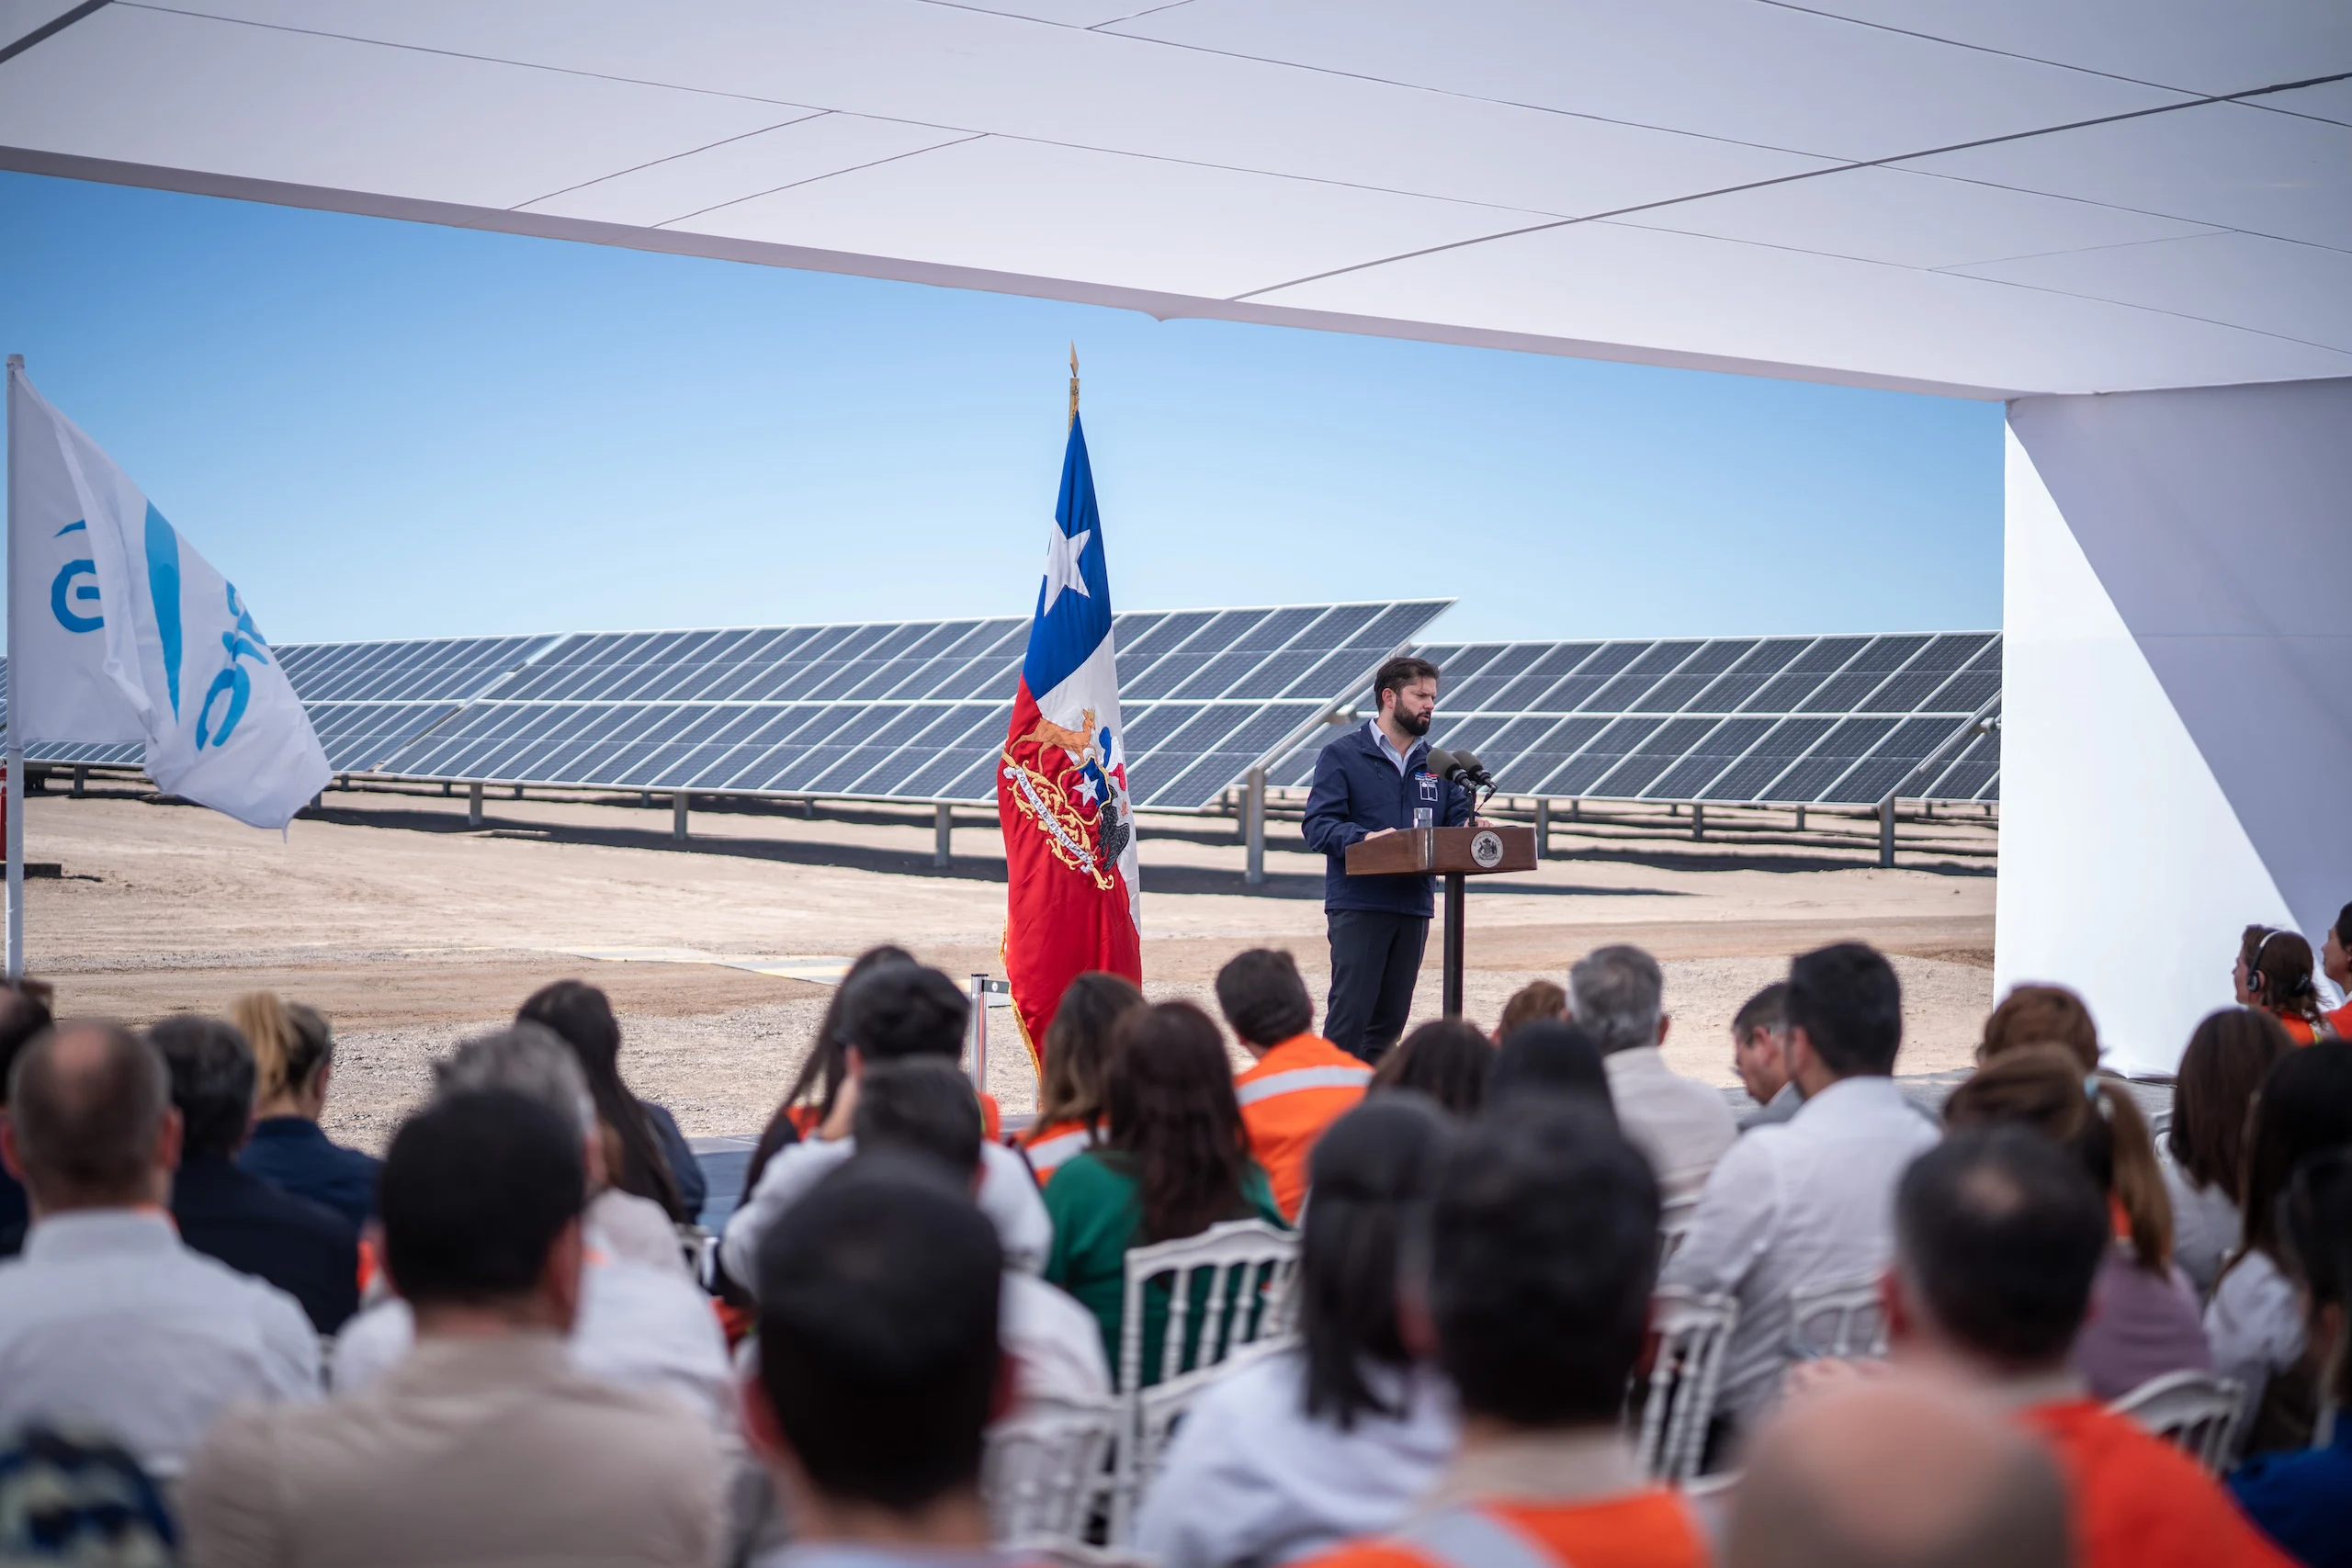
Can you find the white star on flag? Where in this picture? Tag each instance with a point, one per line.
(1062, 551)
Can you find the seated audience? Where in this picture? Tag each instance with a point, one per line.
(109, 1323)
(2145, 1320)
(1897, 1473)
(925, 1108)
(1293, 1452)
(1176, 1161)
(642, 1321)
(879, 1370)
(1535, 1002)
(2041, 1015)
(891, 1012)
(650, 1157)
(808, 1103)
(2303, 1501)
(1542, 1252)
(1760, 1054)
(293, 1058)
(1299, 1082)
(1812, 1201)
(1549, 1057)
(2273, 973)
(2000, 1236)
(1446, 1059)
(306, 1249)
(1069, 1090)
(2228, 1057)
(1682, 1124)
(2254, 1322)
(486, 1445)
(24, 1016)
(2336, 962)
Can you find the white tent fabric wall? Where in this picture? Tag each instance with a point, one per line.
(2178, 724)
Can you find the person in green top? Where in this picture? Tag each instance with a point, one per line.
(1176, 1162)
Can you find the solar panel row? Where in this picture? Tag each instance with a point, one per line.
(1829, 721)
(916, 710)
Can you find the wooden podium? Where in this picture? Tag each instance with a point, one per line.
(1454, 853)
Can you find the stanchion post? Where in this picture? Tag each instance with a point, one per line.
(980, 1032)
(1253, 825)
(13, 802)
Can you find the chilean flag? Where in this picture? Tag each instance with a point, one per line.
(1074, 903)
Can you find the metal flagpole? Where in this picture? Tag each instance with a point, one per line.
(16, 757)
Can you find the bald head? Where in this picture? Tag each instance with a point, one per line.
(1896, 1474)
(90, 1120)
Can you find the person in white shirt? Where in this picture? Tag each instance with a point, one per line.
(108, 1323)
(892, 1012)
(642, 1323)
(2256, 1325)
(1340, 1435)
(1760, 1054)
(1810, 1202)
(922, 1109)
(1684, 1127)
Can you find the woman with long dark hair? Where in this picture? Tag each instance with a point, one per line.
(1071, 1091)
(2229, 1054)
(2143, 1319)
(1339, 1438)
(1175, 1161)
(816, 1092)
(2304, 1108)
(648, 1157)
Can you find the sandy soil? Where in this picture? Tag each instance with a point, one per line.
(411, 929)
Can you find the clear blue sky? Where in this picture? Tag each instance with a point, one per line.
(383, 429)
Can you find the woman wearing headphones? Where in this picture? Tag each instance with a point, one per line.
(2273, 973)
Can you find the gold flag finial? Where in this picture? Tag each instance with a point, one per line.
(1073, 383)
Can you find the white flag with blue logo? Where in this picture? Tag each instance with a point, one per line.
(122, 632)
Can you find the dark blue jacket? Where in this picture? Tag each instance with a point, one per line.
(1358, 791)
(305, 1249)
(293, 1154)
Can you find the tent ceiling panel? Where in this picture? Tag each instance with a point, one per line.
(1673, 183)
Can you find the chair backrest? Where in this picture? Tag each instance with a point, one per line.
(1047, 1470)
(1158, 1409)
(1844, 1318)
(1221, 1285)
(2196, 1412)
(1686, 1371)
(1673, 1224)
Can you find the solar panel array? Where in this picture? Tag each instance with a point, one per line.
(1795, 720)
(902, 710)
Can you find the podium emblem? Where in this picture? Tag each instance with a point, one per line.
(1486, 849)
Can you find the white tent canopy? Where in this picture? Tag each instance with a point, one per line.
(2028, 199)
(1993, 198)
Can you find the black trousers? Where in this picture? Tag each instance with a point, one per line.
(1375, 958)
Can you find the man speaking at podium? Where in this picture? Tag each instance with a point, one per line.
(1368, 781)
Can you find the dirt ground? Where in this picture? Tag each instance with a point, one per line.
(410, 929)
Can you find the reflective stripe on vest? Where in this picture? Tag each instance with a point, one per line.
(1047, 1154)
(1471, 1538)
(1272, 1084)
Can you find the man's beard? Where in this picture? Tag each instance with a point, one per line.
(1412, 724)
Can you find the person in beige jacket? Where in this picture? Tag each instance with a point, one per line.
(485, 1445)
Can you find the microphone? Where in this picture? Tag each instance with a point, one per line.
(1473, 768)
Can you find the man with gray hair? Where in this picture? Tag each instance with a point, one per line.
(109, 1322)
(642, 1323)
(1615, 995)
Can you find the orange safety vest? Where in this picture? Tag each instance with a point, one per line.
(1055, 1144)
(1292, 1093)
